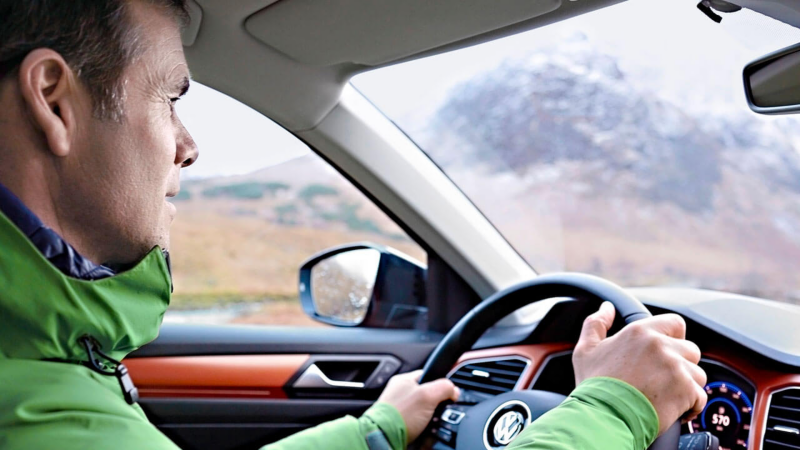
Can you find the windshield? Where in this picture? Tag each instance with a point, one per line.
(618, 143)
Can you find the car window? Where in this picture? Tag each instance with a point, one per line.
(618, 143)
(257, 203)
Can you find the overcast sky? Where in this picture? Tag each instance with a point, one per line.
(667, 46)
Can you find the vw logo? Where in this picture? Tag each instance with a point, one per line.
(506, 423)
(508, 427)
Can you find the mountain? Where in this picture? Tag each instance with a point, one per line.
(583, 170)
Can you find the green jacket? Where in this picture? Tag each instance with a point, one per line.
(601, 414)
(48, 399)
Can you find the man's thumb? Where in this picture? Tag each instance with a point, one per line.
(596, 326)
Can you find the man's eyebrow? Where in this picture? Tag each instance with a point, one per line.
(184, 86)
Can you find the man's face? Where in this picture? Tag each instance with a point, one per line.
(123, 173)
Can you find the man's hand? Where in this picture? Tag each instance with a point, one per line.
(417, 402)
(652, 355)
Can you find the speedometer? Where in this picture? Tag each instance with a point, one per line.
(727, 415)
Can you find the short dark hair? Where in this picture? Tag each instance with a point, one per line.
(96, 38)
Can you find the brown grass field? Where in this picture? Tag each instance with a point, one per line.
(221, 259)
(231, 250)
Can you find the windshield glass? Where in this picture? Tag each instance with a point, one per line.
(618, 143)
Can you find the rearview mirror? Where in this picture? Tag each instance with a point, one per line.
(772, 83)
(364, 285)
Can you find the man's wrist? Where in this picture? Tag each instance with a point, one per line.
(626, 402)
(389, 421)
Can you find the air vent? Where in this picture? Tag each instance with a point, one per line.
(489, 376)
(783, 421)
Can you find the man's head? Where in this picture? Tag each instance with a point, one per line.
(89, 138)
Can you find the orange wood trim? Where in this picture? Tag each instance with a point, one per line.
(536, 353)
(231, 376)
(766, 381)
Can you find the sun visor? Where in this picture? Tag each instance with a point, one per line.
(373, 32)
(192, 28)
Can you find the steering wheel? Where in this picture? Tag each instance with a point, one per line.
(493, 423)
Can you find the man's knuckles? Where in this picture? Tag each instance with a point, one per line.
(654, 344)
(692, 351)
(580, 352)
(436, 392)
(698, 374)
(636, 330)
(670, 324)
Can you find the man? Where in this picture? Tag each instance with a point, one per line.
(90, 150)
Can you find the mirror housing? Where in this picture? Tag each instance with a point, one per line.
(365, 285)
(772, 83)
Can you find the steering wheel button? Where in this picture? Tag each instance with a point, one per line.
(453, 416)
(445, 435)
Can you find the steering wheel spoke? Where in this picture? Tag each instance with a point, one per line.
(446, 422)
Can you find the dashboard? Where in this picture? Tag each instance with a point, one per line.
(753, 393)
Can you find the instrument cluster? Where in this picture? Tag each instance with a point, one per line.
(728, 414)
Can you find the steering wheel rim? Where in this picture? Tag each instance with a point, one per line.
(471, 327)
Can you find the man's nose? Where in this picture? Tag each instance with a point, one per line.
(187, 152)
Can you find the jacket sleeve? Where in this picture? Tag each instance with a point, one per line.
(600, 414)
(380, 428)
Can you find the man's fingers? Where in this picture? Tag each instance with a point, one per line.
(436, 391)
(700, 399)
(688, 350)
(415, 375)
(698, 374)
(596, 326)
(440, 390)
(672, 325)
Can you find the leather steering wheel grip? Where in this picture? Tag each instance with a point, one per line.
(471, 327)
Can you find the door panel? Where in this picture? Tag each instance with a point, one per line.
(229, 387)
(241, 424)
(221, 376)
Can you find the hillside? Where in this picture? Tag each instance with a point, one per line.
(244, 238)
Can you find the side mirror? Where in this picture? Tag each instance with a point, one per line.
(364, 285)
(772, 83)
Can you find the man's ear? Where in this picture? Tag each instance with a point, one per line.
(50, 91)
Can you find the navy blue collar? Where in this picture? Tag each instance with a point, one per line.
(49, 243)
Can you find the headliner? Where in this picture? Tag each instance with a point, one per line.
(290, 59)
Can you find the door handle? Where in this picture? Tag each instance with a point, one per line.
(314, 377)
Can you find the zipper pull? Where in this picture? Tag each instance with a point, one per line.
(129, 390)
(126, 383)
